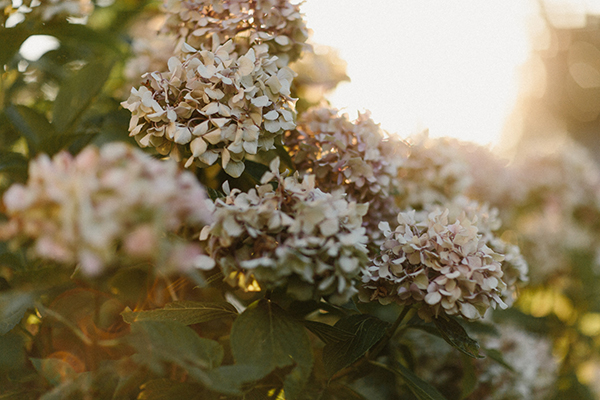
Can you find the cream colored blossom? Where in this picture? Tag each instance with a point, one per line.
(357, 157)
(434, 172)
(294, 236)
(514, 266)
(107, 207)
(443, 265)
(47, 10)
(276, 23)
(213, 105)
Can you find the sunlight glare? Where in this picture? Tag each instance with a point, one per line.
(451, 67)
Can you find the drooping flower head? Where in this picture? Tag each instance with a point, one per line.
(441, 264)
(276, 23)
(107, 207)
(292, 236)
(357, 157)
(213, 105)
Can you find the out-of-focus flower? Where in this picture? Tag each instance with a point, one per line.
(358, 157)
(150, 49)
(276, 23)
(442, 265)
(213, 104)
(434, 173)
(107, 207)
(535, 369)
(319, 72)
(46, 10)
(557, 212)
(293, 236)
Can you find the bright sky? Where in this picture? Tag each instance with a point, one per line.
(450, 66)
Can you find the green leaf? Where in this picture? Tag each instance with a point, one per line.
(327, 333)
(266, 337)
(469, 376)
(231, 379)
(13, 306)
(158, 342)
(76, 94)
(186, 312)
(14, 164)
(214, 194)
(421, 389)
(165, 389)
(366, 331)
(255, 170)
(453, 333)
(33, 126)
(341, 392)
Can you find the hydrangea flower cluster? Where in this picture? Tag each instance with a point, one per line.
(293, 236)
(358, 157)
(46, 10)
(434, 172)
(214, 104)
(443, 265)
(107, 207)
(277, 23)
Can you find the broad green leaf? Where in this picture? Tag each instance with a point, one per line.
(14, 164)
(33, 126)
(327, 333)
(453, 333)
(76, 94)
(13, 306)
(421, 389)
(266, 337)
(159, 342)
(165, 389)
(230, 379)
(186, 312)
(366, 331)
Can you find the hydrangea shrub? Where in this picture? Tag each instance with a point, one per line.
(177, 223)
